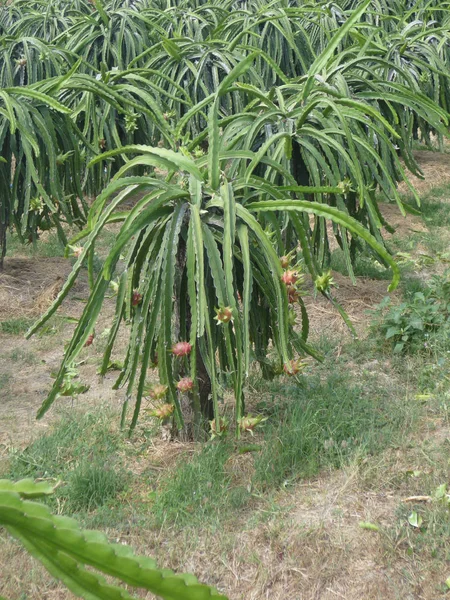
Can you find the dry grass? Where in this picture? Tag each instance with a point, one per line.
(356, 300)
(436, 172)
(28, 286)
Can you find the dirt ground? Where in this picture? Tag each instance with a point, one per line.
(27, 287)
(311, 547)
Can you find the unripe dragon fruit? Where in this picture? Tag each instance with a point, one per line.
(185, 385)
(181, 349)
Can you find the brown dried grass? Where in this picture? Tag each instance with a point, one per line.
(435, 167)
(356, 300)
(29, 285)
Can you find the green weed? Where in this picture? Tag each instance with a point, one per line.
(411, 285)
(16, 326)
(424, 314)
(93, 485)
(22, 356)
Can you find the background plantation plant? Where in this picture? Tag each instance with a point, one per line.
(39, 157)
(224, 136)
(157, 59)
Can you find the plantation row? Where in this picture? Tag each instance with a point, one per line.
(222, 137)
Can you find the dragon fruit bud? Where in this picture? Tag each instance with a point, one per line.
(77, 251)
(249, 423)
(181, 349)
(158, 391)
(324, 282)
(163, 412)
(224, 314)
(114, 286)
(284, 261)
(293, 294)
(136, 298)
(223, 427)
(293, 367)
(185, 385)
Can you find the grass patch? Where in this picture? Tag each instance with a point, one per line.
(429, 541)
(5, 379)
(22, 356)
(16, 326)
(434, 207)
(83, 451)
(92, 485)
(77, 439)
(199, 489)
(325, 423)
(49, 246)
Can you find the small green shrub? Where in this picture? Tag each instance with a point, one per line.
(409, 325)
